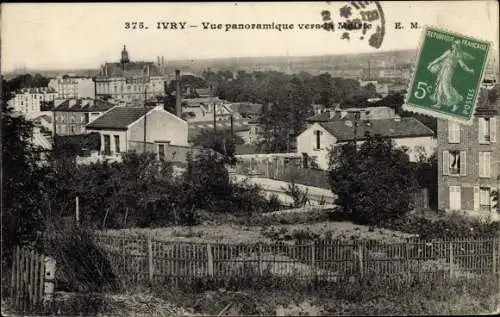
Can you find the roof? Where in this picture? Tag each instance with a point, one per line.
(118, 118)
(130, 69)
(401, 128)
(84, 105)
(41, 141)
(43, 116)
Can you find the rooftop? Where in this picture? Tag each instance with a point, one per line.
(84, 105)
(130, 69)
(118, 118)
(394, 128)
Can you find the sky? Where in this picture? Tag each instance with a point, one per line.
(85, 35)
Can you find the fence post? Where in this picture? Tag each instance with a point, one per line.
(313, 259)
(260, 259)
(150, 259)
(210, 260)
(451, 259)
(360, 258)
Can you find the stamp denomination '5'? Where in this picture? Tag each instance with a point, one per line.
(447, 76)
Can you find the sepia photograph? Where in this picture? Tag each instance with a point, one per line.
(321, 158)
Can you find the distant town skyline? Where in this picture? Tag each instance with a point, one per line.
(80, 36)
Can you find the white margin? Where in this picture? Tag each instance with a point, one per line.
(419, 110)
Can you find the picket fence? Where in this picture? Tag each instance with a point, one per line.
(144, 259)
(28, 280)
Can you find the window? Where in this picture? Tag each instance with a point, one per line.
(485, 164)
(484, 198)
(117, 144)
(455, 197)
(318, 140)
(487, 130)
(454, 163)
(453, 132)
(86, 117)
(107, 144)
(161, 151)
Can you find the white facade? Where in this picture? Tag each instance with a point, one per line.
(318, 147)
(129, 89)
(72, 87)
(28, 101)
(161, 125)
(307, 142)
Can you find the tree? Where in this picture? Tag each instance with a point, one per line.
(221, 142)
(22, 176)
(373, 183)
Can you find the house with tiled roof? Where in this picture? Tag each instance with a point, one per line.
(130, 80)
(72, 115)
(139, 129)
(319, 138)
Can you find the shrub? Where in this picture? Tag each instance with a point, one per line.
(81, 265)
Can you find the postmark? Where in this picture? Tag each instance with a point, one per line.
(447, 75)
(357, 20)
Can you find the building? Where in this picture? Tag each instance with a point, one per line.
(152, 129)
(73, 87)
(202, 110)
(28, 101)
(469, 161)
(130, 81)
(72, 115)
(320, 137)
(369, 113)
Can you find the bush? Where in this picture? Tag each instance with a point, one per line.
(81, 265)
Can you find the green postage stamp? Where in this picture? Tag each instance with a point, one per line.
(447, 76)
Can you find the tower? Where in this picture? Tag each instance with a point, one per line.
(124, 58)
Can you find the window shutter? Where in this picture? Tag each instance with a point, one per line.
(481, 130)
(463, 163)
(446, 163)
(481, 164)
(487, 164)
(493, 129)
(476, 198)
(451, 132)
(492, 203)
(457, 132)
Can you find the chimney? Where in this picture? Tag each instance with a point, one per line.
(178, 93)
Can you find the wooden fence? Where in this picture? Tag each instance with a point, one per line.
(28, 279)
(149, 260)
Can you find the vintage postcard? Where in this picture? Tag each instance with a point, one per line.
(322, 158)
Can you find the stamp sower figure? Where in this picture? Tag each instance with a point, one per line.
(445, 65)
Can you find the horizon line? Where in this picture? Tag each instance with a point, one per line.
(217, 58)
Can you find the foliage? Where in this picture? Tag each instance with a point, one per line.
(26, 81)
(426, 172)
(445, 228)
(374, 183)
(81, 265)
(298, 195)
(22, 221)
(221, 142)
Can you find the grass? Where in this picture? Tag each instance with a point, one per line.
(371, 296)
(236, 233)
